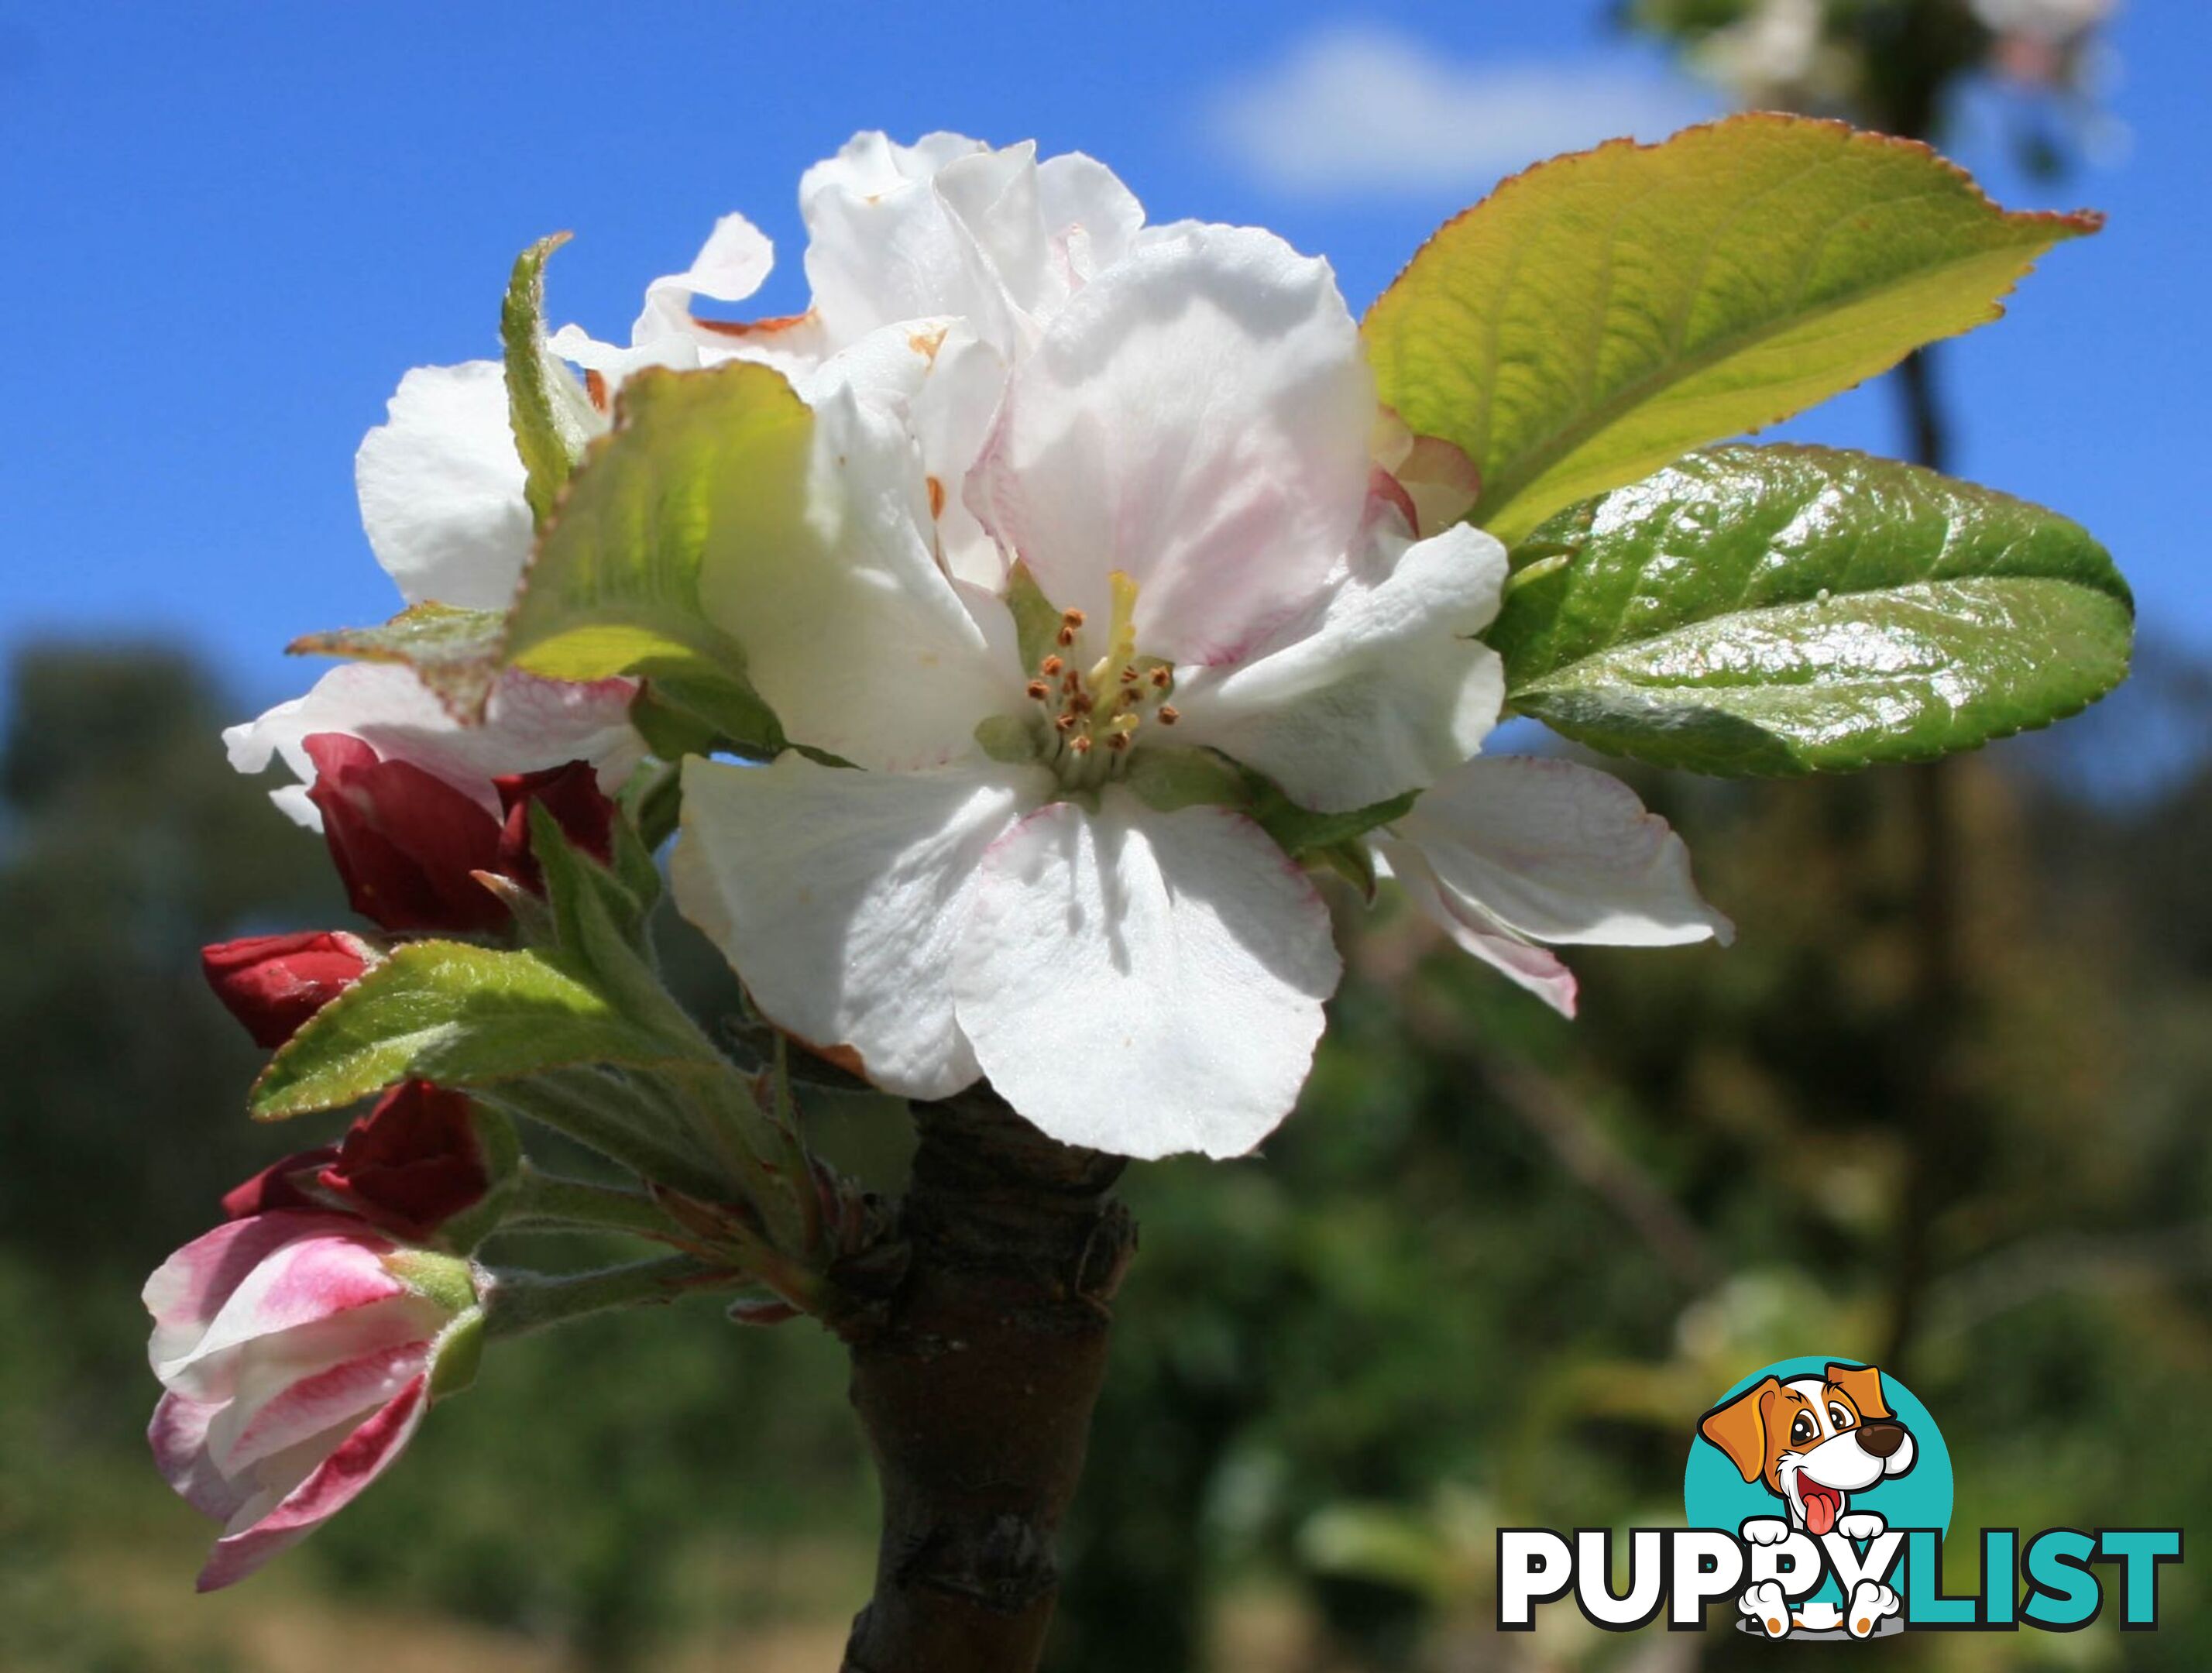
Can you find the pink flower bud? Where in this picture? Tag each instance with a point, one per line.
(274, 984)
(298, 1352)
(406, 843)
(407, 1166)
(572, 794)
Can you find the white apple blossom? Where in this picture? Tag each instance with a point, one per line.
(1041, 865)
(1019, 880)
(1181, 462)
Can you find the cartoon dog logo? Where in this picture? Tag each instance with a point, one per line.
(1813, 1442)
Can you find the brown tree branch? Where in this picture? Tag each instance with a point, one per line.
(975, 1381)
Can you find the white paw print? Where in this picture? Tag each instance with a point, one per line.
(1861, 1524)
(1764, 1530)
(1871, 1602)
(1766, 1605)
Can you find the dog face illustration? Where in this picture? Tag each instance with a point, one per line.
(1813, 1440)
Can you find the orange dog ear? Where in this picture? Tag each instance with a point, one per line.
(1863, 1384)
(1739, 1428)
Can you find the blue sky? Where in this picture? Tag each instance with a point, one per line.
(227, 229)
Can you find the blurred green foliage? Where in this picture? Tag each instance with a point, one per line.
(1492, 1272)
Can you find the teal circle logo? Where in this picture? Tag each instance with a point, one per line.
(1816, 1443)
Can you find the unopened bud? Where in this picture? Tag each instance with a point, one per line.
(274, 984)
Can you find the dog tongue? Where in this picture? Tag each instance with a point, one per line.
(1820, 1508)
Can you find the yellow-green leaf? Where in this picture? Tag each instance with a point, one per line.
(545, 409)
(454, 651)
(1601, 314)
(458, 1014)
(614, 587)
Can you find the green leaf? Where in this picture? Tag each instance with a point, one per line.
(1037, 618)
(1305, 835)
(600, 920)
(1601, 315)
(695, 459)
(723, 710)
(544, 405)
(1168, 779)
(460, 1015)
(456, 653)
(1791, 609)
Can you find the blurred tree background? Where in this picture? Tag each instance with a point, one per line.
(1938, 1108)
(1492, 1273)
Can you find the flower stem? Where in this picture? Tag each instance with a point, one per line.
(519, 1302)
(611, 1119)
(545, 1201)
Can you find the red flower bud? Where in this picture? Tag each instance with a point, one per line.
(274, 984)
(407, 1166)
(277, 1185)
(572, 794)
(410, 1164)
(405, 842)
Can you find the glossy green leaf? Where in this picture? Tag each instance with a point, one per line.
(1602, 313)
(548, 414)
(1791, 609)
(696, 460)
(1168, 779)
(456, 653)
(456, 1013)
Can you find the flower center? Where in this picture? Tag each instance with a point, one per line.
(1095, 714)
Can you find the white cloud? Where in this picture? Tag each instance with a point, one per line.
(1357, 109)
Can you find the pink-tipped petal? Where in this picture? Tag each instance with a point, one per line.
(1562, 853)
(190, 1288)
(1536, 969)
(328, 1488)
(178, 1435)
(277, 1406)
(306, 1284)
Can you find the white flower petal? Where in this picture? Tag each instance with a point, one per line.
(1535, 968)
(1385, 693)
(884, 247)
(1559, 852)
(1144, 983)
(952, 414)
(1197, 416)
(872, 165)
(441, 487)
(853, 633)
(991, 203)
(529, 723)
(951, 226)
(678, 350)
(1092, 217)
(838, 895)
(734, 263)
